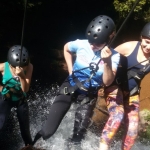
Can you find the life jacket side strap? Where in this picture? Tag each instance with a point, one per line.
(68, 90)
(139, 73)
(134, 74)
(134, 90)
(80, 85)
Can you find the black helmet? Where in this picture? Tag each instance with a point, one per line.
(146, 30)
(14, 56)
(100, 29)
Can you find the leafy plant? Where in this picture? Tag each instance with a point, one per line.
(141, 11)
(144, 133)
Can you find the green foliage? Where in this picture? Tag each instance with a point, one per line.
(145, 135)
(147, 118)
(145, 132)
(148, 132)
(10, 5)
(32, 3)
(141, 11)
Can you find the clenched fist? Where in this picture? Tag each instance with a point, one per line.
(19, 72)
(105, 52)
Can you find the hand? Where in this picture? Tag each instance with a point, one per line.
(105, 53)
(19, 71)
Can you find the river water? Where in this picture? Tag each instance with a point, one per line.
(40, 100)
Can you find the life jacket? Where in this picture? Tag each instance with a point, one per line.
(121, 75)
(12, 91)
(124, 74)
(11, 85)
(138, 75)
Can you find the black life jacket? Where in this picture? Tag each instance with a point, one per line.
(138, 75)
(124, 74)
(121, 78)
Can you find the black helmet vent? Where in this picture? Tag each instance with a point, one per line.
(99, 30)
(95, 36)
(106, 27)
(17, 60)
(89, 32)
(24, 60)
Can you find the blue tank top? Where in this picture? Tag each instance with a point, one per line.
(132, 60)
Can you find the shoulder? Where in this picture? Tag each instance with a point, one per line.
(29, 69)
(78, 44)
(126, 48)
(79, 41)
(2, 67)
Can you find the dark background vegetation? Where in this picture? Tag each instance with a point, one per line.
(50, 24)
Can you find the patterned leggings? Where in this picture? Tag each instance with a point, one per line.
(118, 111)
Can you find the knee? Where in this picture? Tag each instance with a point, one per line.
(133, 125)
(116, 112)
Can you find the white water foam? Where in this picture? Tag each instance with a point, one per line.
(40, 101)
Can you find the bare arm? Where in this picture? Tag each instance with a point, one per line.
(2, 68)
(109, 73)
(25, 79)
(126, 48)
(68, 58)
(2, 72)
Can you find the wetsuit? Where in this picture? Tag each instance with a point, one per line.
(62, 103)
(12, 96)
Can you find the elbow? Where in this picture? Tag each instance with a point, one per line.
(65, 47)
(25, 90)
(108, 82)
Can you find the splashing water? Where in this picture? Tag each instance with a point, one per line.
(40, 100)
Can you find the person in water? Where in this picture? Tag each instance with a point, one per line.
(16, 78)
(95, 65)
(137, 54)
